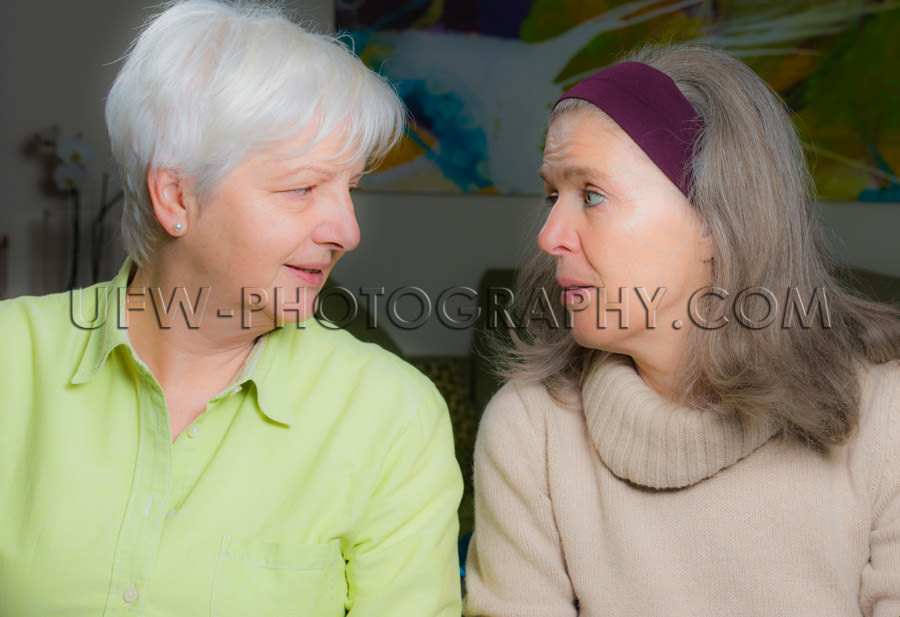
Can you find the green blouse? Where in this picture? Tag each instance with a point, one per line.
(321, 482)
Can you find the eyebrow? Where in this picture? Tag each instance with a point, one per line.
(284, 171)
(306, 167)
(570, 173)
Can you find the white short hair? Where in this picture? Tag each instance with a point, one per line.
(207, 84)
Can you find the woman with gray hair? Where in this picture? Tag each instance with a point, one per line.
(715, 430)
(192, 441)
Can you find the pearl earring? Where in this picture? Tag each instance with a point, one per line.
(178, 227)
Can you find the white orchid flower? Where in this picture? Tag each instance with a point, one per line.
(75, 150)
(69, 177)
(48, 136)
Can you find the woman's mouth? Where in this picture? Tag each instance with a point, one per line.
(312, 276)
(576, 294)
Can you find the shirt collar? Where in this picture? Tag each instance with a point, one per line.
(291, 361)
(256, 370)
(101, 310)
(271, 365)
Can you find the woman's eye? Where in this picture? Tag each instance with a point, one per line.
(550, 199)
(303, 191)
(593, 198)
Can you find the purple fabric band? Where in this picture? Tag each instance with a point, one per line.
(648, 106)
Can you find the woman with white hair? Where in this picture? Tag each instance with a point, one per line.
(187, 439)
(716, 431)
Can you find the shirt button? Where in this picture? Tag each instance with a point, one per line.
(130, 594)
(170, 513)
(193, 431)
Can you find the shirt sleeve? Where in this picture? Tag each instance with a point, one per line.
(515, 566)
(404, 562)
(880, 589)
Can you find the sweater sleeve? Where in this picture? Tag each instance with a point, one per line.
(515, 566)
(880, 590)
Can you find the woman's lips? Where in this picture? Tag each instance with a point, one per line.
(313, 275)
(578, 295)
(574, 292)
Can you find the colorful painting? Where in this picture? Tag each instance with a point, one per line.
(479, 77)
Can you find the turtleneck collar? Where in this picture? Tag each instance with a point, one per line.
(650, 441)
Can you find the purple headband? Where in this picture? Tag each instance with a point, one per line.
(648, 106)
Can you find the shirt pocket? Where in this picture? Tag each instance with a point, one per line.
(263, 579)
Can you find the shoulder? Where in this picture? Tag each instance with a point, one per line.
(24, 310)
(30, 323)
(333, 344)
(339, 346)
(334, 361)
(41, 350)
(79, 308)
(517, 415)
(880, 383)
(874, 446)
(879, 400)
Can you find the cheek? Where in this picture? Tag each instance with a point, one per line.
(605, 247)
(669, 246)
(625, 259)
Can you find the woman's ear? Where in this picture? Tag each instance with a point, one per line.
(170, 200)
(707, 245)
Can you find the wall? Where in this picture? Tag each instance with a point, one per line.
(436, 242)
(866, 235)
(57, 69)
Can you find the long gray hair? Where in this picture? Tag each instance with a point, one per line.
(753, 190)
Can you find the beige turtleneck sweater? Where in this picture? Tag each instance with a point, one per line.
(635, 506)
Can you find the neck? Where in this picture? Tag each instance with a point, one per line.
(175, 326)
(663, 370)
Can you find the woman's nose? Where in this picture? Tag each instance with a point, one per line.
(339, 226)
(558, 235)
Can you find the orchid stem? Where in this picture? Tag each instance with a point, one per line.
(76, 228)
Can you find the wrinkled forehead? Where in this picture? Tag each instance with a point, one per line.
(588, 134)
(336, 149)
